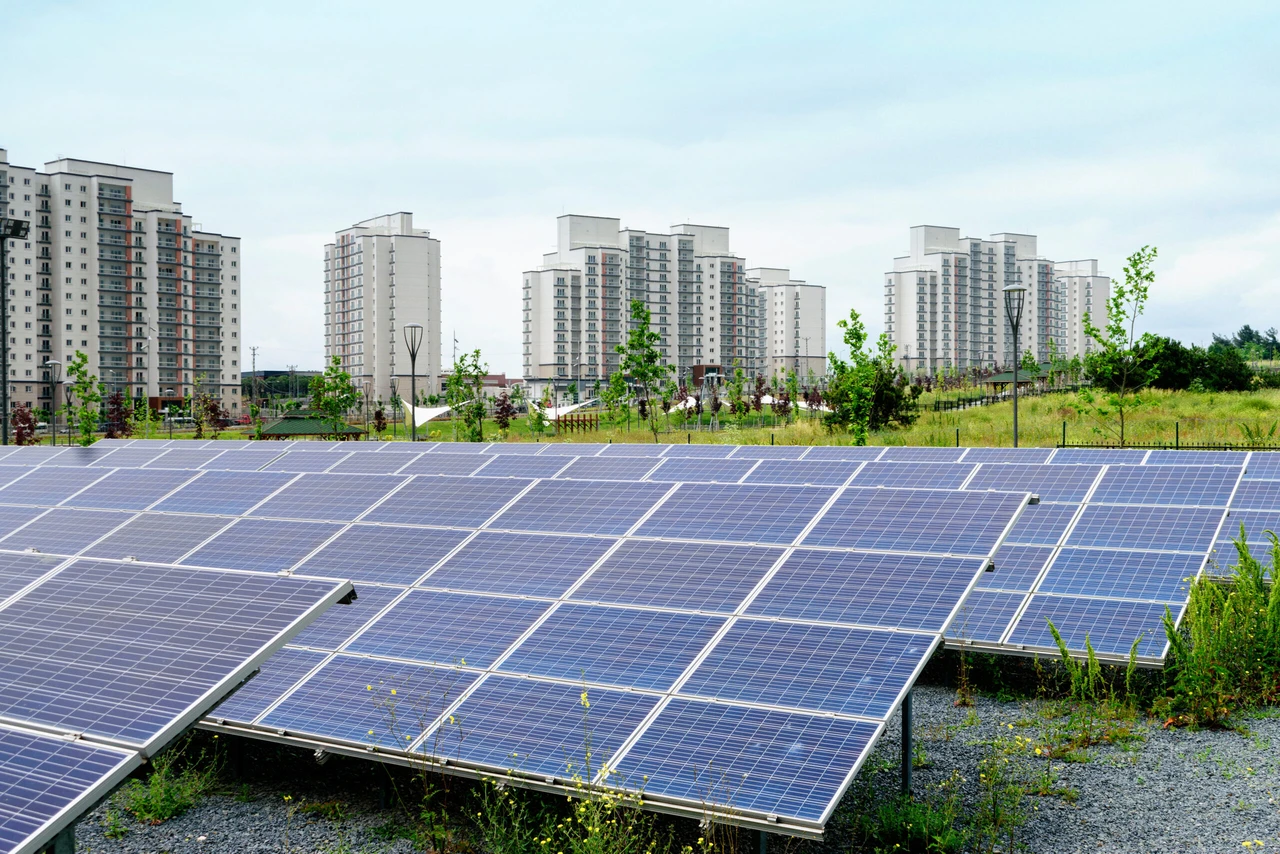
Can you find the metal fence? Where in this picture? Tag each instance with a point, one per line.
(965, 401)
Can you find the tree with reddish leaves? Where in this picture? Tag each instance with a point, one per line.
(504, 412)
(23, 421)
(379, 421)
(210, 414)
(119, 417)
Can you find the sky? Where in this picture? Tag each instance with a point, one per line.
(819, 133)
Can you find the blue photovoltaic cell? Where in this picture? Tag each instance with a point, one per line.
(372, 463)
(573, 449)
(49, 486)
(185, 458)
(985, 615)
(802, 472)
(910, 454)
(1204, 486)
(581, 507)
(1263, 465)
(331, 498)
(278, 674)
(519, 564)
(31, 455)
(238, 444)
(1050, 482)
(1042, 524)
(635, 449)
(128, 458)
(1186, 529)
(1256, 524)
(1099, 456)
(447, 501)
(775, 763)
(449, 628)
(352, 699)
(689, 576)
(64, 531)
(1016, 568)
(12, 518)
(825, 668)
(336, 625)
(517, 465)
(540, 728)
(157, 537)
(856, 453)
(916, 520)
(714, 452)
(895, 591)
(121, 650)
(19, 570)
(1193, 458)
(609, 468)
(696, 470)
(78, 456)
(382, 553)
(42, 776)
(224, 493)
(241, 460)
(438, 463)
(614, 646)
(466, 448)
(746, 514)
(262, 545)
(504, 449)
(368, 446)
(305, 461)
(1257, 495)
(394, 447)
(1122, 575)
(769, 452)
(1110, 627)
(1027, 456)
(914, 475)
(312, 447)
(130, 489)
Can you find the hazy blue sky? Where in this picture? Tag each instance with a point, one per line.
(818, 132)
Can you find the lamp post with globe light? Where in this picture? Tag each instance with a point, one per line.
(413, 340)
(1014, 295)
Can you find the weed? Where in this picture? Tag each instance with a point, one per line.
(112, 826)
(1000, 814)
(929, 825)
(175, 784)
(334, 811)
(243, 794)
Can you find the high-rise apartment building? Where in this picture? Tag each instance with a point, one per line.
(379, 275)
(114, 268)
(706, 310)
(795, 322)
(944, 302)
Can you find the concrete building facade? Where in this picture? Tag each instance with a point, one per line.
(944, 302)
(795, 322)
(702, 302)
(379, 275)
(115, 269)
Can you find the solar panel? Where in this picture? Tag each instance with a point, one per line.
(12, 518)
(78, 456)
(331, 499)
(372, 463)
(505, 449)
(691, 576)
(459, 448)
(761, 762)
(1191, 486)
(1186, 529)
(618, 646)
(1110, 627)
(1050, 482)
(392, 447)
(19, 570)
(1026, 456)
(184, 458)
(769, 452)
(985, 616)
(519, 564)
(130, 489)
(224, 493)
(447, 501)
(707, 452)
(910, 454)
(803, 472)
(305, 461)
(830, 668)
(915, 520)
(1256, 525)
(1099, 456)
(633, 450)
(913, 475)
(745, 514)
(917, 592)
(1263, 465)
(48, 486)
(339, 625)
(1122, 575)
(262, 545)
(517, 465)
(63, 531)
(572, 449)
(281, 672)
(251, 460)
(129, 457)
(1042, 524)
(32, 455)
(580, 507)
(1017, 568)
(698, 470)
(1178, 458)
(384, 554)
(854, 453)
(8, 474)
(1257, 495)
(156, 537)
(438, 463)
(609, 468)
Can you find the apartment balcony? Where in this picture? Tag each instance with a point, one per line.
(166, 228)
(111, 207)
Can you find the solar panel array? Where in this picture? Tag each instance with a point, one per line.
(105, 662)
(681, 587)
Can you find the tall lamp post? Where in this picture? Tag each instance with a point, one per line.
(67, 393)
(395, 402)
(413, 340)
(55, 379)
(367, 386)
(1013, 299)
(10, 229)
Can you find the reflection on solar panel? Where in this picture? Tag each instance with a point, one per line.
(340, 624)
(262, 545)
(701, 471)
(913, 475)
(519, 564)
(609, 468)
(445, 464)
(330, 499)
(224, 493)
(803, 472)
(447, 501)
(130, 489)
(516, 465)
(382, 553)
(287, 667)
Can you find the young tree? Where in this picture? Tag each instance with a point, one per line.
(1029, 363)
(735, 391)
(504, 412)
(793, 391)
(642, 360)
(23, 422)
(88, 398)
(537, 416)
(616, 395)
(119, 418)
(380, 421)
(464, 394)
(210, 414)
(782, 404)
(869, 391)
(571, 392)
(757, 396)
(333, 396)
(1124, 362)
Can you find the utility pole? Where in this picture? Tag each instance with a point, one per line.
(253, 388)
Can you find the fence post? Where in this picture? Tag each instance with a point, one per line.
(957, 437)
(1064, 435)
(1177, 439)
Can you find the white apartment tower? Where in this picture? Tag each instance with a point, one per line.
(701, 302)
(113, 268)
(944, 302)
(379, 275)
(795, 322)
(1083, 292)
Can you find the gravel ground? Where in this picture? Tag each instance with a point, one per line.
(1170, 791)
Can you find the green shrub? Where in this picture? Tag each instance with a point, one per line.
(174, 786)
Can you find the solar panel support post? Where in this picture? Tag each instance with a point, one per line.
(906, 745)
(762, 842)
(64, 842)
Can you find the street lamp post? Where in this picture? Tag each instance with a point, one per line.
(10, 229)
(67, 393)
(55, 379)
(395, 403)
(1014, 295)
(413, 340)
(367, 385)
(169, 393)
